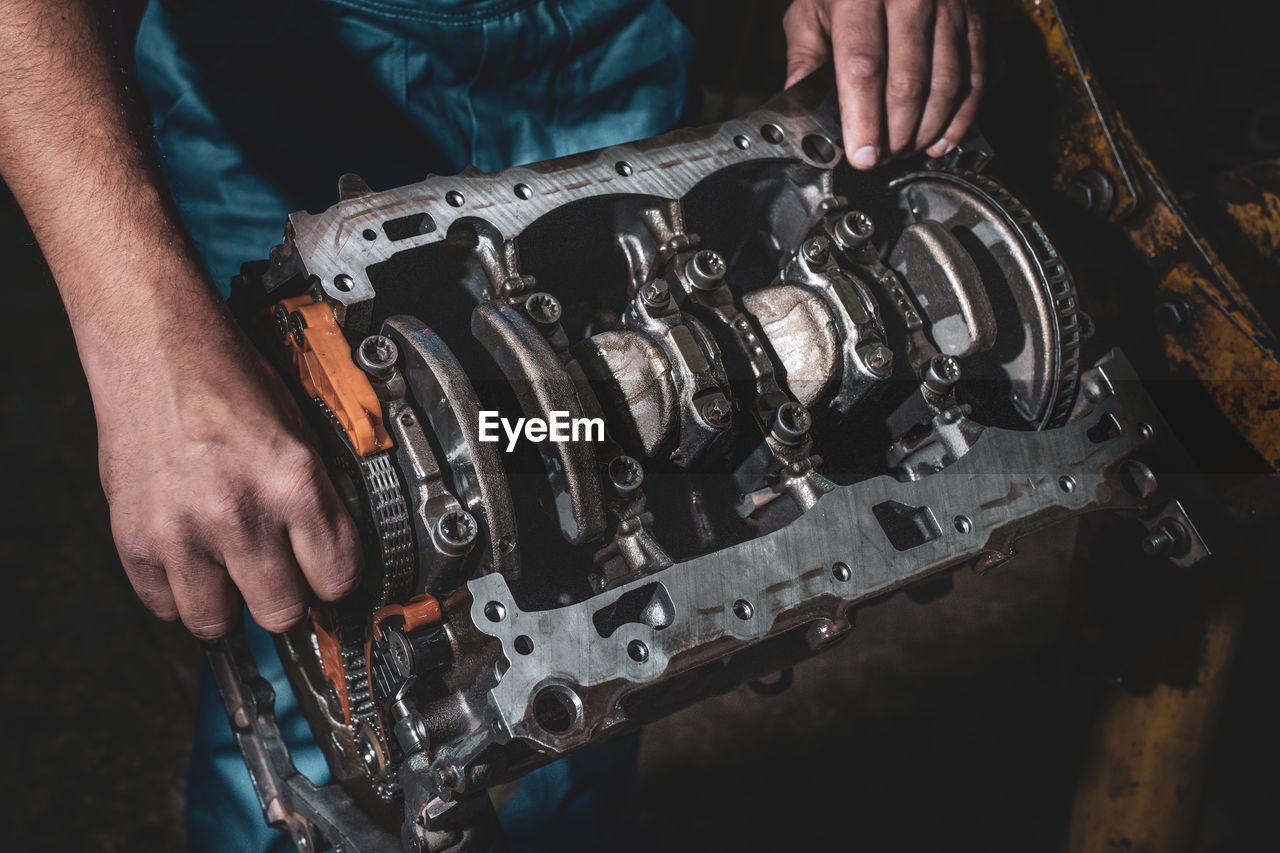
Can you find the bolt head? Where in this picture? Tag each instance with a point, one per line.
(878, 359)
(656, 294)
(706, 269)
(854, 229)
(816, 251)
(1171, 315)
(716, 411)
(543, 308)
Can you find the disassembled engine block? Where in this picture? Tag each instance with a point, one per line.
(786, 387)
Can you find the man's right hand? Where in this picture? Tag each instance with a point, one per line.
(213, 488)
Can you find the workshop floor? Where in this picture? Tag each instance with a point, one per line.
(953, 725)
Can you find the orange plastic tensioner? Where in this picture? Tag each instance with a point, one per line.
(324, 366)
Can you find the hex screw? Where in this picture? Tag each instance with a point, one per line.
(656, 294)
(878, 358)
(1169, 539)
(706, 269)
(716, 410)
(816, 251)
(791, 423)
(543, 309)
(377, 356)
(1093, 190)
(854, 229)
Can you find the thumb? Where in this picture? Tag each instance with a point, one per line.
(807, 45)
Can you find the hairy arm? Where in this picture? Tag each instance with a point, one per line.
(214, 492)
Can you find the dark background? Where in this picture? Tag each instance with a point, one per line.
(958, 724)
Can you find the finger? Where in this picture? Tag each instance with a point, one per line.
(968, 109)
(322, 535)
(946, 81)
(807, 45)
(206, 599)
(910, 34)
(151, 585)
(858, 44)
(270, 581)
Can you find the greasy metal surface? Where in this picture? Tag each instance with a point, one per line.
(1225, 342)
(806, 573)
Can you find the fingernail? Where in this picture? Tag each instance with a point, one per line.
(942, 146)
(866, 157)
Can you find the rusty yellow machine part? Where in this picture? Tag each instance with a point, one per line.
(1143, 773)
(1211, 327)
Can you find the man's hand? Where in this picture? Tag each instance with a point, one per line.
(212, 488)
(211, 484)
(909, 72)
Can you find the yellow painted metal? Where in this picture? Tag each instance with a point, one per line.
(1225, 343)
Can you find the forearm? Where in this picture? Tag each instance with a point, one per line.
(76, 158)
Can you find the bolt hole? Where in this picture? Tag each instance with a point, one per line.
(743, 609)
(963, 524)
(1137, 479)
(369, 234)
(1146, 431)
(817, 147)
(841, 572)
(524, 191)
(772, 133)
(623, 168)
(637, 651)
(742, 141)
(1067, 484)
(524, 644)
(343, 282)
(454, 198)
(555, 709)
(494, 611)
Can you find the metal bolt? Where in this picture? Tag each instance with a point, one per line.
(543, 309)
(716, 410)
(446, 777)
(941, 374)
(637, 651)
(1092, 190)
(705, 269)
(457, 530)
(377, 356)
(656, 294)
(401, 652)
(626, 474)
(878, 358)
(791, 423)
(816, 251)
(1169, 539)
(854, 229)
(1172, 314)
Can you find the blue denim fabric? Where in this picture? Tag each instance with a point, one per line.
(260, 105)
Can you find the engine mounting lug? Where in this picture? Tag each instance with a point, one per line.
(377, 356)
(705, 269)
